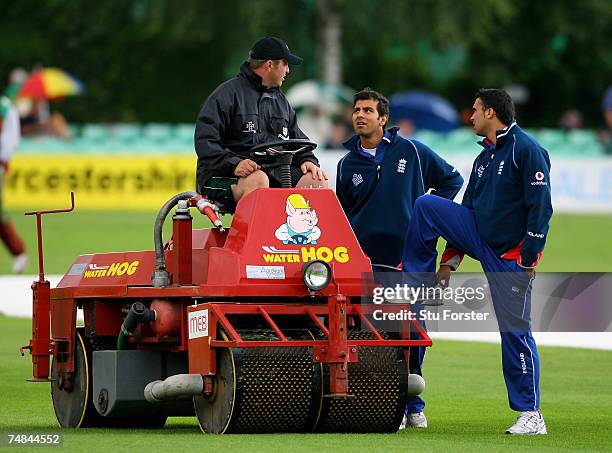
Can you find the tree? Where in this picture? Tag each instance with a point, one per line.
(157, 60)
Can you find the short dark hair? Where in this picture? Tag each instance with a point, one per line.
(369, 94)
(498, 100)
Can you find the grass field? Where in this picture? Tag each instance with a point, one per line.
(467, 408)
(467, 405)
(576, 243)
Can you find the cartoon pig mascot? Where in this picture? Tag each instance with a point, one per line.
(300, 227)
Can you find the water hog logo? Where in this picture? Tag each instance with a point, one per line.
(301, 228)
(305, 254)
(301, 225)
(112, 270)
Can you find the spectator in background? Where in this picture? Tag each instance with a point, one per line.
(465, 117)
(406, 128)
(34, 114)
(606, 107)
(38, 120)
(17, 77)
(340, 132)
(571, 120)
(9, 139)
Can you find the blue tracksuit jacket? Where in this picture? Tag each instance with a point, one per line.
(378, 193)
(509, 191)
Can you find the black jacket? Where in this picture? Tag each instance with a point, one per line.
(238, 115)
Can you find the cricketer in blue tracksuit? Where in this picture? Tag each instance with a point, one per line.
(502, 222)
(378, 192)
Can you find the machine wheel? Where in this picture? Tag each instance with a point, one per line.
(75, 408)
(260, 390)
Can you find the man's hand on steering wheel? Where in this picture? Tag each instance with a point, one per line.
(317, 172)
(245, 168)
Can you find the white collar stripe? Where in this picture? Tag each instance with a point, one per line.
(507, 130)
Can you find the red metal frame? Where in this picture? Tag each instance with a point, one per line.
(40, 343)
(336, 350)
(220, 310)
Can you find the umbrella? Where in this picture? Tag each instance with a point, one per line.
(425, 110)
(606, 102)
(311, 93)
(50, 83)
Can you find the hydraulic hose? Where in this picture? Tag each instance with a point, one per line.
(160, 276)
(138, 313)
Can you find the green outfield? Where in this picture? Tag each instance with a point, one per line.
(575, 243)
(467, 408)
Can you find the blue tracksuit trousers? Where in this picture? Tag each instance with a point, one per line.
(414, 404)
(509, 284)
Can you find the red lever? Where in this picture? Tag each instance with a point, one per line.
(209, 210)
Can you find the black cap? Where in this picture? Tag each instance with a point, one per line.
(271, 48)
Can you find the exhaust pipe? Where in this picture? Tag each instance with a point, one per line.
(177, 386)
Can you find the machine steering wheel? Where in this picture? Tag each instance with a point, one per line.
(281, 147)
(283, 151)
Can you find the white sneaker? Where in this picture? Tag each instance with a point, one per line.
(530, 422)
(417, 420)
(19, 263)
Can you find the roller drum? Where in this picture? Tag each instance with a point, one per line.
(281, 389)
(262, 390)
(378, 385)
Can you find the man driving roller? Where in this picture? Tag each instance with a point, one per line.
(245, 111)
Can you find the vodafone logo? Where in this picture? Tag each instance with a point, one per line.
(539, 176)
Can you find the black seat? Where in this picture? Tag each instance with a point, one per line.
(219, 196)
